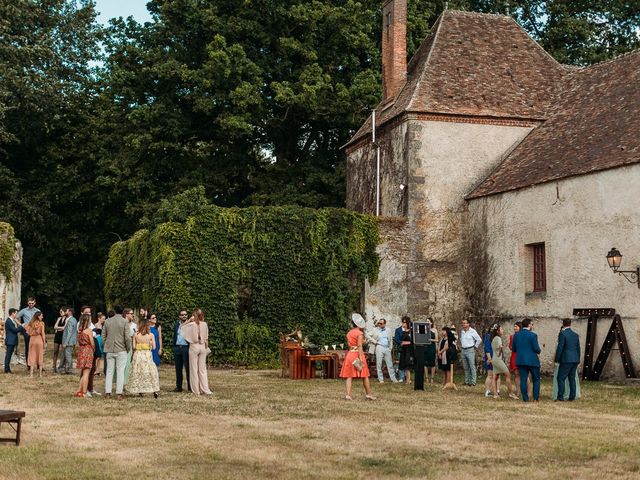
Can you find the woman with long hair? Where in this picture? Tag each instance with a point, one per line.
(430, 355)
(355, 363)
(497, 360)
(196, 332)
(512, 358)
(37, 342)
(156, 330)
(406, 349)
(58, 328)
(144, 374)
(86, 349)
(443, 357)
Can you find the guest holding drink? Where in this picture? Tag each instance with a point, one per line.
(86, 348)
(355, 363)
(37, 342)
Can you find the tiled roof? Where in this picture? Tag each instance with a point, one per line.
(475, 64)
(594, 125)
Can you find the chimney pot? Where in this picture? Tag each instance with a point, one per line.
(394, 47)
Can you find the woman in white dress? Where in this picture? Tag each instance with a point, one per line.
(144, 374)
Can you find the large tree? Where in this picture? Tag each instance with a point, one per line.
(46, 47)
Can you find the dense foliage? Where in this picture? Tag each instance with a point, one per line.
(7, 248)
(255, 272)
(251, 99)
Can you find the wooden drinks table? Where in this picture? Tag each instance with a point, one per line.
(327, 361)
(12, 417)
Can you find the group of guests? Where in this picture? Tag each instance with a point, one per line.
(523, 364)
(131, 350)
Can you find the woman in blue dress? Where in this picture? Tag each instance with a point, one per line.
(156, 330)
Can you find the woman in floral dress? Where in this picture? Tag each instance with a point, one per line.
(144, 374)
(86, 347)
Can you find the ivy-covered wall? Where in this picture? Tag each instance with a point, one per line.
(7, 247)
(255, 272)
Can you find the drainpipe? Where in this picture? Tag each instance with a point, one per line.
(377, 147)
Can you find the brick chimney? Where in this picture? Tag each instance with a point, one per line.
(394, 47)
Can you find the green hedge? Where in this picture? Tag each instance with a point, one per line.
(255, 272)
(7, 248)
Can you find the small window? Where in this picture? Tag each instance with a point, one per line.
(539, 268)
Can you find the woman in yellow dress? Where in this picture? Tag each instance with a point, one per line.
(144, 374)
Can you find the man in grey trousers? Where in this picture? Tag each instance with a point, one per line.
(69, 341)
(116, 339)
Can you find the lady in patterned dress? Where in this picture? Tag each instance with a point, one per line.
(349, 371)
(37, 342)
(86, 347)
(144, 373)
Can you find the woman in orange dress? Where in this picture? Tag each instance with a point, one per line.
(35, 330)
(355, 339)
(86, 347)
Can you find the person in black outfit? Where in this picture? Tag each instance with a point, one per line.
(406, 349)
(181, 352)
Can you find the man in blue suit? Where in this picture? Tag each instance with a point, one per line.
(525, 345)
(568, 356)
(11, 330)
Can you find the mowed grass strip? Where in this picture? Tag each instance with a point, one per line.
(263, 426)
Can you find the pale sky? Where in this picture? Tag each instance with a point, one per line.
(122, 8)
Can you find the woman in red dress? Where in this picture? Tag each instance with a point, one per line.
(86, 347)
(355, 339)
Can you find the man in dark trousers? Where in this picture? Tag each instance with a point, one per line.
(181, 352)
(525, 345)
(11, 328)
(568, 356)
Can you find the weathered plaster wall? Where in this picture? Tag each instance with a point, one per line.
(438, 162)
(579, 219)
(361, 174)
(387, 298)
(445, 161)
(10, 291)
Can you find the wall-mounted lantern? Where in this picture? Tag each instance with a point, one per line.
(614, 258)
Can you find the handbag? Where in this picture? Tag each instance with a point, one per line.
(357, 364)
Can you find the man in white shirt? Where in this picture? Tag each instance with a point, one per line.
(379, 338)
(469, 341)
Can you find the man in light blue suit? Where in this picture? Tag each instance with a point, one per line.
(525, 345)
(568, 358)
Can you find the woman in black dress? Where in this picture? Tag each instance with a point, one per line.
(430, 355)
(406, 349)
(58, 328)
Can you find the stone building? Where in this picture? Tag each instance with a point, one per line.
(504, 179)
(9, 288)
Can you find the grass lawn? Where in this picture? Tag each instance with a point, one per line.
(262, 426)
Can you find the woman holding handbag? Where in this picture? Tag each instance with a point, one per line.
(196, 332)
(355, 363)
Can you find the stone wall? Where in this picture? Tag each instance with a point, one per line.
(10, 290)
(579, 219)
(427, 168)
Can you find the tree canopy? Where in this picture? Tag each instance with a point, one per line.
(249, 99)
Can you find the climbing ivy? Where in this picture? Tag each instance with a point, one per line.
(255, 272)
(7, 248)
